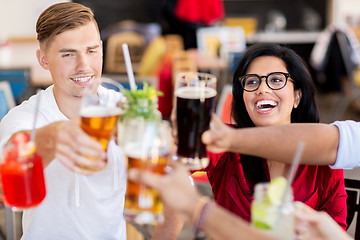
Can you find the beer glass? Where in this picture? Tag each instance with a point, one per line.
(102, 104)
(195, 101)
(146, 144)
(22, 175)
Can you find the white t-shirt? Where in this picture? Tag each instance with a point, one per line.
(76, 206)
(348, 156)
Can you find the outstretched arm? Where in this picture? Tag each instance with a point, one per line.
(276, 142)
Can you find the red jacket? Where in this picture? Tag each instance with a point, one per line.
(320, 187)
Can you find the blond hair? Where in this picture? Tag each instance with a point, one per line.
(61, 17)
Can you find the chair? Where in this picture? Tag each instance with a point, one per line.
(334, 56)
(148, 30)
(115, 62)
(223, 108)
(19, 80)
(353, 190)
(136, 35)
(6, 98)
(182, 62)
(139, 80)
(349, 67)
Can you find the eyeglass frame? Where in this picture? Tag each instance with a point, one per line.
(287, 76)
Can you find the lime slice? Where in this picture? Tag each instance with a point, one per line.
(276, 190)
(263, 216)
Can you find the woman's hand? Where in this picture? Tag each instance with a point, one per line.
(313, 225)
(175, 188)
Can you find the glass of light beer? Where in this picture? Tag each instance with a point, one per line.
(195, 101)
(102, 104)
(146, 144)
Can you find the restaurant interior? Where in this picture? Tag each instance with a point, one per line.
(163, 43)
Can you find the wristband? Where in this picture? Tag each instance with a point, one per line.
(198, 208)
(204, 211)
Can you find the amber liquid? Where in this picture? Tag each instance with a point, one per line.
(140, 198)
(100, 126)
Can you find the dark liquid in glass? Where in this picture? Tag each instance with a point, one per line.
(193, 118)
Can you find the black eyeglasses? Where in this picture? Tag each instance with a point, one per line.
(274, 80)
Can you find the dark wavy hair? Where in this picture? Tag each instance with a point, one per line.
(300, 74)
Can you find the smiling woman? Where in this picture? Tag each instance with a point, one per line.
(272, 86)
(273, 102)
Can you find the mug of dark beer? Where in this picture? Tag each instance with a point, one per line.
(195, 101)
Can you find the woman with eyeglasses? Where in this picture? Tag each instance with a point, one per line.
(272, 86)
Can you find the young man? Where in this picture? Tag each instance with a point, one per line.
(77, 205)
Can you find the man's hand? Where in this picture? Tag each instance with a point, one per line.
(67, 142)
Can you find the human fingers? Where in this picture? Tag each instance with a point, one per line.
(73, 145)
(144, 177)
(85, 145)
(71, 164)
(73, 161)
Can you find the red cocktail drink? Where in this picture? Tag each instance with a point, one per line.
(22, 176)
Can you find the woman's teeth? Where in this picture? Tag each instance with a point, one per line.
(266, 104)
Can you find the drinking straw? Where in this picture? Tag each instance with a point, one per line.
(33, 131)
(291, 174)
(128, 65)
(295, 162)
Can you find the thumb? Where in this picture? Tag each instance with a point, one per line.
(216, 123)
(206, 137)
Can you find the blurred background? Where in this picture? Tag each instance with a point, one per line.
(166, 37)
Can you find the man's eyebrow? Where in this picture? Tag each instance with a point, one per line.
(74, 50)
(94, 46)
(67, 50)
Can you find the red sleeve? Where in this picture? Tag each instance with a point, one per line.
(333, 197)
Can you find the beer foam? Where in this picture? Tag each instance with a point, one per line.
(135, 150)
(99, 111)
(195, 92)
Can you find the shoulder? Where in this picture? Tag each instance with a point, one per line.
(21, 117)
